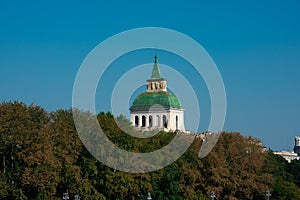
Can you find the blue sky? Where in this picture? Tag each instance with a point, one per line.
(255, 44)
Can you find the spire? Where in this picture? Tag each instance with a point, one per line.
(155, 71)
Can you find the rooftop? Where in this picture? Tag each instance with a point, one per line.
(148, 99)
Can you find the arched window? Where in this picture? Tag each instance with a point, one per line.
(176, 122)
(165, 122)
(136, 121)
(157, 121)
(150, 121)
(143, 121)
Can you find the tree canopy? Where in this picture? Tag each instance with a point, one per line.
(42, 157)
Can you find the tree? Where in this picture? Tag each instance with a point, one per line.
(285, 190)
(29, 165)
(42, 157)
(234, 168)
(293, 169)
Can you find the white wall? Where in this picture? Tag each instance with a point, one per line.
(170, 115)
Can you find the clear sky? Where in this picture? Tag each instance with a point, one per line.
(255, 44)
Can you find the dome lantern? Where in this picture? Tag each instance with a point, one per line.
(156, 83)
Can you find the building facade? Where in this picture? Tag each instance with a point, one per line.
(157, 109)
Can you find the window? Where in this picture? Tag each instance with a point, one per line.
(136, 121)
(143, 121)
(150, 121)
(165, 122)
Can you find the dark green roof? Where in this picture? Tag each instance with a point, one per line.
(155, 72)
(148, 99)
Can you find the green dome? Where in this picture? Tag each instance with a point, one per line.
(148, 99)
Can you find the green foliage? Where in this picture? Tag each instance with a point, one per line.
(42, 157)
(276, 165)
(285, 190)
(293, 169)
(286, 177)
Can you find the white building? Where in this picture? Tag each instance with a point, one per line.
(157, 109)
(289, 156)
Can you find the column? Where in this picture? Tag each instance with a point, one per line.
(147, 120)
(140, 120)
